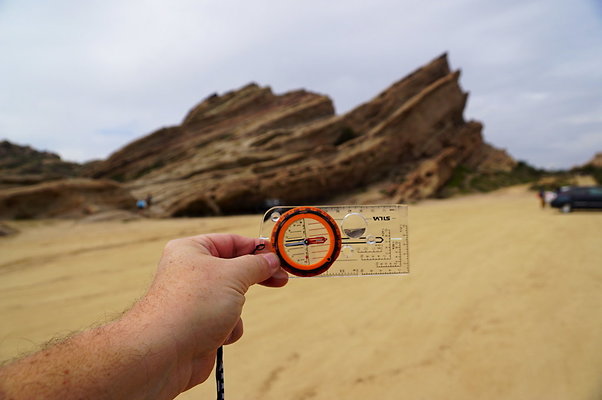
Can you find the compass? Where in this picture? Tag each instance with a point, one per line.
(307, 240)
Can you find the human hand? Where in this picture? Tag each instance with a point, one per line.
(195, 302)
(167, 342)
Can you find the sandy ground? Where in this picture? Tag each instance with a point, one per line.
(504, 301)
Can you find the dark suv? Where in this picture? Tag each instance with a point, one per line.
(578, 197)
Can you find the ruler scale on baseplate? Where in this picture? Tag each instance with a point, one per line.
(341, 240)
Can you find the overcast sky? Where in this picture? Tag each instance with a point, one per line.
(83, 78)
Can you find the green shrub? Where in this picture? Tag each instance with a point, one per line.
(467, 180)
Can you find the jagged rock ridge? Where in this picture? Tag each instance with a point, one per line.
(238, 151)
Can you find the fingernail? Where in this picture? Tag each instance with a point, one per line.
(272, 259)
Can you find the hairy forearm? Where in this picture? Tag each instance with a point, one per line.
(166, 343)
(122, 359)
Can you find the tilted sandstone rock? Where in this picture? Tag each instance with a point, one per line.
(241, 150)
(489, 159)
(428, 176)
(202, 143)
(64, 198)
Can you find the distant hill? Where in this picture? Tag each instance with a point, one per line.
(38, 184)
(23, 165)
(245, 149)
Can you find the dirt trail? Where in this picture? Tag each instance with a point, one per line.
(503, 301)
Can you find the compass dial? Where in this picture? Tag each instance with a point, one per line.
(307, 240)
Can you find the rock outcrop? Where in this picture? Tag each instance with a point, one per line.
(239, 151)
(68, 198)
(428, 176)
(22, 165)
(595, 162)
(490, 159)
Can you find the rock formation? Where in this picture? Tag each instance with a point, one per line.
(64, 198)
(239, 151)
(22, 165)
(595, 162)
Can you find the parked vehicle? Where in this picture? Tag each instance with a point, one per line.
(578, 197)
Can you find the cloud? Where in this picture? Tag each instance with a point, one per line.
(84, 78)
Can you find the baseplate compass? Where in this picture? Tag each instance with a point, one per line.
(338, 240)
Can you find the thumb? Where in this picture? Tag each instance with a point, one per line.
(253, 268)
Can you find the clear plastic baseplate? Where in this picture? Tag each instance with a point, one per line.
(373, 239)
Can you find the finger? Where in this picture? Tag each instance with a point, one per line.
(252, 269)
(236, 333)
(278, 279)
(227, 245)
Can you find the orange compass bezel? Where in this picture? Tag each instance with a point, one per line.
(294, 215)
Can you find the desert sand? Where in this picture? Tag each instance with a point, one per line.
(504, 301)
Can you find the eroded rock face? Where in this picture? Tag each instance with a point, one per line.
(428, 176)
(68, 198)
(241, 150)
